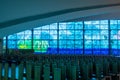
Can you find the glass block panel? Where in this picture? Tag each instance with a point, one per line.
(70, 42)
(104, 32)
(28, 32)
(88, 32)
(62, 42)
(62, 25)
(103, 26)
(11, 44)
(53, 32)
(39, 28)
(70, 25)
(37, 31)
(104, 42)
(21, 44)
(40, 45)
(95, 42)
(87, 22)
(12, 36)
(46, 27)
(96, 26)
(28, 36)
(78, 25)
(118, 26)
(95, 22)
(96, 32)
(113, 36)
(78, 36)
(113, 26)
(103, 21)
(113, 21)
(53, 43)
(114, 46)
(53, 26)
(114, 32)
(36, 36)
(21, 35)
(118, 42)
(88, 26)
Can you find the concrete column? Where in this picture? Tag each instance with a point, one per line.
(1, 46)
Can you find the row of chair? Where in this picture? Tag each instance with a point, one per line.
(59, 67)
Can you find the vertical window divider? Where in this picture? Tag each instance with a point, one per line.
(83, 37)
(6, 45)
(74, 37)
(58, 38)
(109, 38)
(32, 38)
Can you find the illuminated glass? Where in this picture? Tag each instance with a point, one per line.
(91, 37)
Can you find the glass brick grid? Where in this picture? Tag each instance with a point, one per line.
(99, 37)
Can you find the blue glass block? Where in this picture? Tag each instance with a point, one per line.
(62, 51)
(70, 37)
(113, 36)
(28, 32)
(88, 51)
(87, 32)
(53, 32)
(118, 43)
(45, 27)
(78, 36)
(96, 51)
(70, 26)
(38, 28)
(11, 43)
(78, 25)
(118, 52)
(88, 26)
(12, 36)
(95, 22)
(79, 32)
(115, 32)
(53, 26)
(118, 26)
(103, 21)
(62, 25)
(87, 22)
(103, 32)
(114, 52)
(36, 36)
(104, 51)
(45, 36)
(113, 26)
(28, 36)
(114, 46)
(96, 26)
(103, 26)
(95, 32)
(52, 51)
(113, 21)
(78, 51)
(37, 31)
